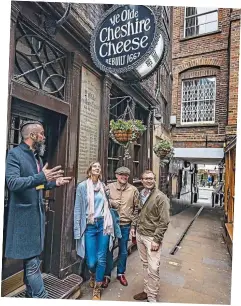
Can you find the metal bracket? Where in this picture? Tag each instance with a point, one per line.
(51, 25)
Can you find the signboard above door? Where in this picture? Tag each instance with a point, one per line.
(129, 42)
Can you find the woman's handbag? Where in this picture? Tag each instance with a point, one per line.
(114, 214)
(116, 222)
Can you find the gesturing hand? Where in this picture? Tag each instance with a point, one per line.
(155, 246)
(63, 180)
(52, 174)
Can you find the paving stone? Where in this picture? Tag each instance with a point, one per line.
(216, 263)
(172, 277)
(199, 273)
(167, 292)
(189, 296)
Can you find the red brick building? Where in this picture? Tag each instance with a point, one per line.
(205, 57)
(200, 77)
(205, 61)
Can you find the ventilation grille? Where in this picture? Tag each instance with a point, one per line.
(57, 288)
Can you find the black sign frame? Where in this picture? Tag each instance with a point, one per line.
(131, 67)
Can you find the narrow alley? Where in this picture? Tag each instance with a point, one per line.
(108, 104)
(199, 271)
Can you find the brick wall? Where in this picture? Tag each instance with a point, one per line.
(233, 73)
(87, 14)
(194, 57)
(199, 45)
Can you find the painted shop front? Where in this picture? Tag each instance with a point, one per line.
(53, 79)
(229, 190)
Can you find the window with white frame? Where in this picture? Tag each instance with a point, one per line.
(198, 100)
(200, 20)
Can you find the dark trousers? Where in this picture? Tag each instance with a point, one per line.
(123, 252)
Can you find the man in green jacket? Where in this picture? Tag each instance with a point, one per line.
(151, 226)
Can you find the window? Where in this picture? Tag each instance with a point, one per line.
(200, 20)
(115, 151)
(198, 100)
(140, 146)
(138, 150)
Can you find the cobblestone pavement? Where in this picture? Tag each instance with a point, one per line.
(199, 272)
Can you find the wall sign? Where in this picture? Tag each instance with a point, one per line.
(89, 122)
(129, 42)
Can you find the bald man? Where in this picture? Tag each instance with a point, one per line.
(26, 179)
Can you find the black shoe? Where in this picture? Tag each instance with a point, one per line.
(27, 295)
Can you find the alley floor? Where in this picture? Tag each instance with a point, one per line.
(199, 272)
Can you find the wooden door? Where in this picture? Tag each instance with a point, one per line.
(21, 112)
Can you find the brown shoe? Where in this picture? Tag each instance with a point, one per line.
(140, 296)
(92, 280)
(105, 282)
(97, 292)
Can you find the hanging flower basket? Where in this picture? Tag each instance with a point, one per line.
(126, 130)
(122, 136)
(162, 148)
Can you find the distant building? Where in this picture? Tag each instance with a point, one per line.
(204, 97)
(205, 60)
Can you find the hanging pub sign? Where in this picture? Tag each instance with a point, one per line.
(129, 42)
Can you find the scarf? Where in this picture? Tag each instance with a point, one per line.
(108, 222)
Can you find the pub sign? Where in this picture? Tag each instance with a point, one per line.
(129, 42)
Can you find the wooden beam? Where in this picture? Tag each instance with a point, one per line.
(29, 94)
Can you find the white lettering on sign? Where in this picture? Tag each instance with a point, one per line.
(117, 51)
(128, 29)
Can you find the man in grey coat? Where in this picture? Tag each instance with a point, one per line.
(26, 178)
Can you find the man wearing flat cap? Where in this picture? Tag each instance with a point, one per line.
(26, 179)
(124, 197)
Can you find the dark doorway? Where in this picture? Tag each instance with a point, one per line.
(53, 125)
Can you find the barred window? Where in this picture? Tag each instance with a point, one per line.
(200, 20)
(38, 62)
(198, 100)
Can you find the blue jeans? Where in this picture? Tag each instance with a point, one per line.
(123, 252)
(96, 246)
(33, 279)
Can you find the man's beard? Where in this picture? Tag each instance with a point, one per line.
(39, 148)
